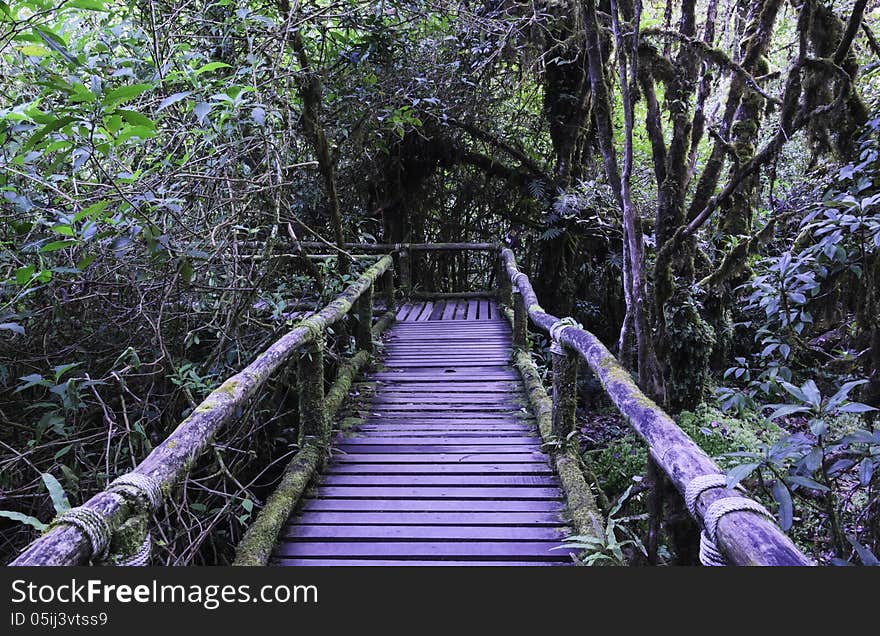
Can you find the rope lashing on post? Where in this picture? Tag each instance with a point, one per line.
(142, 556)
(138, 485)
(710, 555)
(556, 331)
(92, 524)
(515, 280)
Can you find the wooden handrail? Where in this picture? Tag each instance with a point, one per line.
(170, 462)
(746, 538)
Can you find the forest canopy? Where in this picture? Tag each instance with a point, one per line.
(697, 182)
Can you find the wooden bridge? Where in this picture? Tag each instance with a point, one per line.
(456, 455)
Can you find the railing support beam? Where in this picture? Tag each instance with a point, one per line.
(313, 418)
(520, 320)
(565, 368)
(505, 288)
(388, 289)
(364, 333)
(406, 272)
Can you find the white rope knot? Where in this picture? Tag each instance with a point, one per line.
(710, 555)
(559, 326)
(697, 486)
(721, 507)
(516, 277)
(139, 485)
(92, 524)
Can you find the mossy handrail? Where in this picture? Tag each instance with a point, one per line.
(169, 463)
(745, 537)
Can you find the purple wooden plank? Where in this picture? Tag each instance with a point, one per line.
(438, 480)
(473, 310)
(447, 457)
(438, 492)
(539, 467)
(437, 311)
(435, 328)
(307, 562)
(432, 505)
(396, 432)
(404, 310)
(391, 449)
(501, 399)
(408, 440)
(421, 387)
(444, 365)
(438, 397)
(528, 519)
(526, 550)
(448, 405)
(459, 417)
(449, 310)
(422, 533)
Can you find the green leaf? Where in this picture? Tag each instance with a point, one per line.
(61, 369)
(128, 132)
(211, 66)
(34, 50)
(786, 509)
(86, 261)
(64, 230)
(53, 126)
(56, 493)
(186, 271)
(738, 473)
(33, 379)
(856, 407)
(54, 246)
(172, 99)
(89, 5)
(806, 482)
(92, 211)
(24, 274)
(866, 471)
(124, 94)
(18, 516)
(788, 409)
(137, 119)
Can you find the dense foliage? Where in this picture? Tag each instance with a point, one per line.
(696, 182)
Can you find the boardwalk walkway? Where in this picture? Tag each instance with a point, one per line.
(446, 467)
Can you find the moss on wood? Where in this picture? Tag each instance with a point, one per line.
(259, 540)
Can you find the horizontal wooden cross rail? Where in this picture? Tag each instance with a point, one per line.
(746, 538)
(397, 247)
(171, 461)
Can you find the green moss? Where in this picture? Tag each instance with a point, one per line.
(256, 546)
(127, 539)
(586, 519)
(718, 433)
(228, 387)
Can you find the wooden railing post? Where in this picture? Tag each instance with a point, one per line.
(388, 289)
(313, 420)
(505, 287)
(364, 333)
(520, 319)
(406, 272)
(565, 367)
